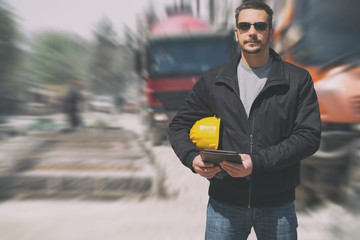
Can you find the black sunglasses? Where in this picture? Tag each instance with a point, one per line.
(245, 26)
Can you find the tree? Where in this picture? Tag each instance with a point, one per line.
(150, 13)
(107, 75)
(8, 60)
(130, 38)
(7, 43)
(57, 57)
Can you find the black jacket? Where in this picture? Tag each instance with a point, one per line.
(283, 128)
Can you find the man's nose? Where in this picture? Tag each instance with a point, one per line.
(252, 30)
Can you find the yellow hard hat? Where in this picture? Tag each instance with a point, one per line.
(205, 133)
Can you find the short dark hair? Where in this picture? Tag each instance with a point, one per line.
(254, 4)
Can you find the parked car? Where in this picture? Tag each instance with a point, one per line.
(102, 104)
(131, 105)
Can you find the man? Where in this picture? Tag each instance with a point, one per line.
(269, 114)
(71, 103)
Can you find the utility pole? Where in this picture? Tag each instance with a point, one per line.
(211, 12)
(198, 8)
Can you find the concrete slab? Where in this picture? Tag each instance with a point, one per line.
(80, 183)
(86, 163)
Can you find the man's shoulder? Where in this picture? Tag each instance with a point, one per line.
(297, 74)
(291, 67)
(212, 73)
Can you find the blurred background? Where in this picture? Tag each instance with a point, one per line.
(88, 88)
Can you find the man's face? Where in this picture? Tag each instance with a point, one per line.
(253, 40)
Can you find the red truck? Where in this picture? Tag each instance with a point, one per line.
(176, 51)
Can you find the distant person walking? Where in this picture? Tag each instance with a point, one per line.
(269, 115)
(71, 103)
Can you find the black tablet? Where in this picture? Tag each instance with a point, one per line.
(217, 156)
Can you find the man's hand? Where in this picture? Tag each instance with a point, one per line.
(238, 170)
(206, 170)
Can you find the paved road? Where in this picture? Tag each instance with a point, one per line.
(178, 214)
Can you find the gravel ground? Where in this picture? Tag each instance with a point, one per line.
(178, 214)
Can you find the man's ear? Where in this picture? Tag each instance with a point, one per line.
(271, 38)
(236, 32)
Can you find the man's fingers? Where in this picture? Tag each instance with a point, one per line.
(205, 165)
(210, 175)
(234, 169)
(208, 172)
(231, 164)
(209, 169)
(201, 163)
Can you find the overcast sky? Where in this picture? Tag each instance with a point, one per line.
(79, 16)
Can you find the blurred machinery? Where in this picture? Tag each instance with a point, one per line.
(322, 37)
(173, 54)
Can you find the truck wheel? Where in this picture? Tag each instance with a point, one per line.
(145, 121)
(353, 188)
(156, 137)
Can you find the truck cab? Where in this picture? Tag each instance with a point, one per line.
(176, 52)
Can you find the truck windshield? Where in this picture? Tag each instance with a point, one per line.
(185, 57)
(331, 31)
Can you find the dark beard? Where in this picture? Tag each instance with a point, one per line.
(256, 50)
(253, 51)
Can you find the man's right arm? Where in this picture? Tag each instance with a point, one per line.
(194, 108)
(206, 170)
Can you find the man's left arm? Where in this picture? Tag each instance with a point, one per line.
(304, 140)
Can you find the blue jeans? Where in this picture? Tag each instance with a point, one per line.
(229, 222)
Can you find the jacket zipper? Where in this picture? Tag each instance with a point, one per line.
(251, 151)
(251, 144)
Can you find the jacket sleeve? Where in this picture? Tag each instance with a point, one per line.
(194, 108)
(304, 139)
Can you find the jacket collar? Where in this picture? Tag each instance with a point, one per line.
(277, 75)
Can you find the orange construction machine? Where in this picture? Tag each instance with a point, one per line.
(323, 36)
